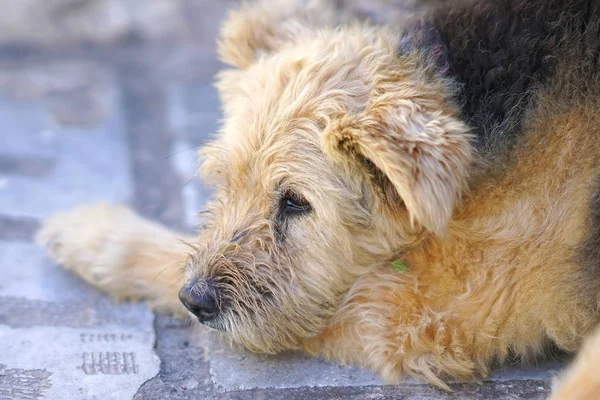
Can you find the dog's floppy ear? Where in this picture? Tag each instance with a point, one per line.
(263, 27)
(425, 154)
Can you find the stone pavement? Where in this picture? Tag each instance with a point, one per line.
(116, 113)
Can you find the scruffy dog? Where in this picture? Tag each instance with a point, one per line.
(424, 201)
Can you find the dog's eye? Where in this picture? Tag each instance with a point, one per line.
(293, 204)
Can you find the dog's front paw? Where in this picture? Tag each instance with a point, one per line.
(90, 240)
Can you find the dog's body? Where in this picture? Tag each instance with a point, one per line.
(467, 147)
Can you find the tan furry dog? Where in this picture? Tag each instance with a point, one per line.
(466, 147)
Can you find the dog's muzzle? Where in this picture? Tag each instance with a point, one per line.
(201, 299)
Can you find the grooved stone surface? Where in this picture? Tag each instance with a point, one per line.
(108, 362)
(86, 345)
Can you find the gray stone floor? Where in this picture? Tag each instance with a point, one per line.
(119, 120)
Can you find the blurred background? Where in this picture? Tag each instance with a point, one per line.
(97, 92)
(109, 100)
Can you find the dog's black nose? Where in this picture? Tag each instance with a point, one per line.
(200, 298)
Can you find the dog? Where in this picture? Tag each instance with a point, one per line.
(422, 199)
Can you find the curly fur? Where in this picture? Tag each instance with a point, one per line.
(467, 146)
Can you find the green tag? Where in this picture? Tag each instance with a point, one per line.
(400, 265)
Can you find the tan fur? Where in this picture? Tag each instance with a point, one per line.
(374, 143)
(582, 379)
(117, 251)
(503, 279)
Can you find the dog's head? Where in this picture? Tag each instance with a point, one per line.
(335, 155)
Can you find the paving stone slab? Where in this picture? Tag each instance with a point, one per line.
(108, 362)
(61, 339)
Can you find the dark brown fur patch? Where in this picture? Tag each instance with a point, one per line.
(503, 52)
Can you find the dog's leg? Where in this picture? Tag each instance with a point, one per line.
(119, 252)
(582, 380)
(388, 325)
